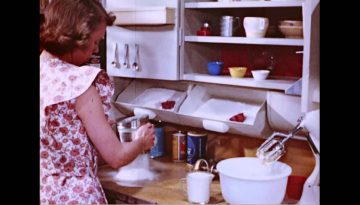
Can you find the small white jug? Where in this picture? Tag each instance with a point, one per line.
(198, 186)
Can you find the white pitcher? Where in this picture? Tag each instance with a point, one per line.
(198, 186)
(256, 27)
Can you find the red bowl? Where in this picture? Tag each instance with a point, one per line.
(169, 104)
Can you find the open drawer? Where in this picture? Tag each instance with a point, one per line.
(147, 96)
(210, 109)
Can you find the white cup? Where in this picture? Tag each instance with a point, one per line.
(256, 27)
(198, 187)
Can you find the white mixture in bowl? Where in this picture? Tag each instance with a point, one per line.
(137, 170)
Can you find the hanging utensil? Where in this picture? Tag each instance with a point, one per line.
(135, 65)
(126, 63)
(115, 63)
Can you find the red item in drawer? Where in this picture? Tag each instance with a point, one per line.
(238, 118)
(169, 104)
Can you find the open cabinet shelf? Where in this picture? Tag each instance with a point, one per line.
(243, 4)
(273, 84)
(238, 50)
(174, 58)
(244, 40)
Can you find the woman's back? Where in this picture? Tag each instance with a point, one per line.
(68, 159)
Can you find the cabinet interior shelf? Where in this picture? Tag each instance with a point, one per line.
(273, 84)
(243, 4)
(244, 40)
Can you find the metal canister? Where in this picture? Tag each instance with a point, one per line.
(228, 25)
(158, 149)
(128, 127)
(196, 146)
(179, 147)
(124, 130)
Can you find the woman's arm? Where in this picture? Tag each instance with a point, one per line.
(116, 154)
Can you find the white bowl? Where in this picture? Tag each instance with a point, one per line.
(245, 180)
(260, 74)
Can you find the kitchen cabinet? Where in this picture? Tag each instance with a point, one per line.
(182, 56)
(194, 58)
(151, 45)
(198, 50)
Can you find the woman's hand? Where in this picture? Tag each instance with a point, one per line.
(146, 133)
(91, 112)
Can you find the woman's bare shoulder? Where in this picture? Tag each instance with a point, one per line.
(90, 97)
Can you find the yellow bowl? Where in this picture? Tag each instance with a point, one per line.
(237, 72)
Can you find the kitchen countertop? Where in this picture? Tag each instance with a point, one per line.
(168, 187)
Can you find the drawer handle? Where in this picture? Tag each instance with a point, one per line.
(215, 126)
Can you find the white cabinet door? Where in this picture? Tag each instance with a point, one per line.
(117, 39)
(157, 45)
(158, 53)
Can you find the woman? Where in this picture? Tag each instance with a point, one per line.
(74, 106)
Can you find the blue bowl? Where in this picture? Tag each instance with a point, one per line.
(215, 67)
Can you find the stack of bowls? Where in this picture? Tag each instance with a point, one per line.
(291, 29)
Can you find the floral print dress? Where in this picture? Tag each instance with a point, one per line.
(68, 159)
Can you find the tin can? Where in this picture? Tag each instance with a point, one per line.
(158, 149)
(196, 146)
(179, 147)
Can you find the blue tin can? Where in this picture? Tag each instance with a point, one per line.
(196, 146)
(158, 149)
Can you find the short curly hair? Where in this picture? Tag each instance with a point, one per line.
(68, 24)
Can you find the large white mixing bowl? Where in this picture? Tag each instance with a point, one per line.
(245, 180)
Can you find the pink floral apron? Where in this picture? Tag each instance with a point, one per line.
(68, 159)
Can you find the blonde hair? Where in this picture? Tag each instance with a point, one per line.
(68, 24)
